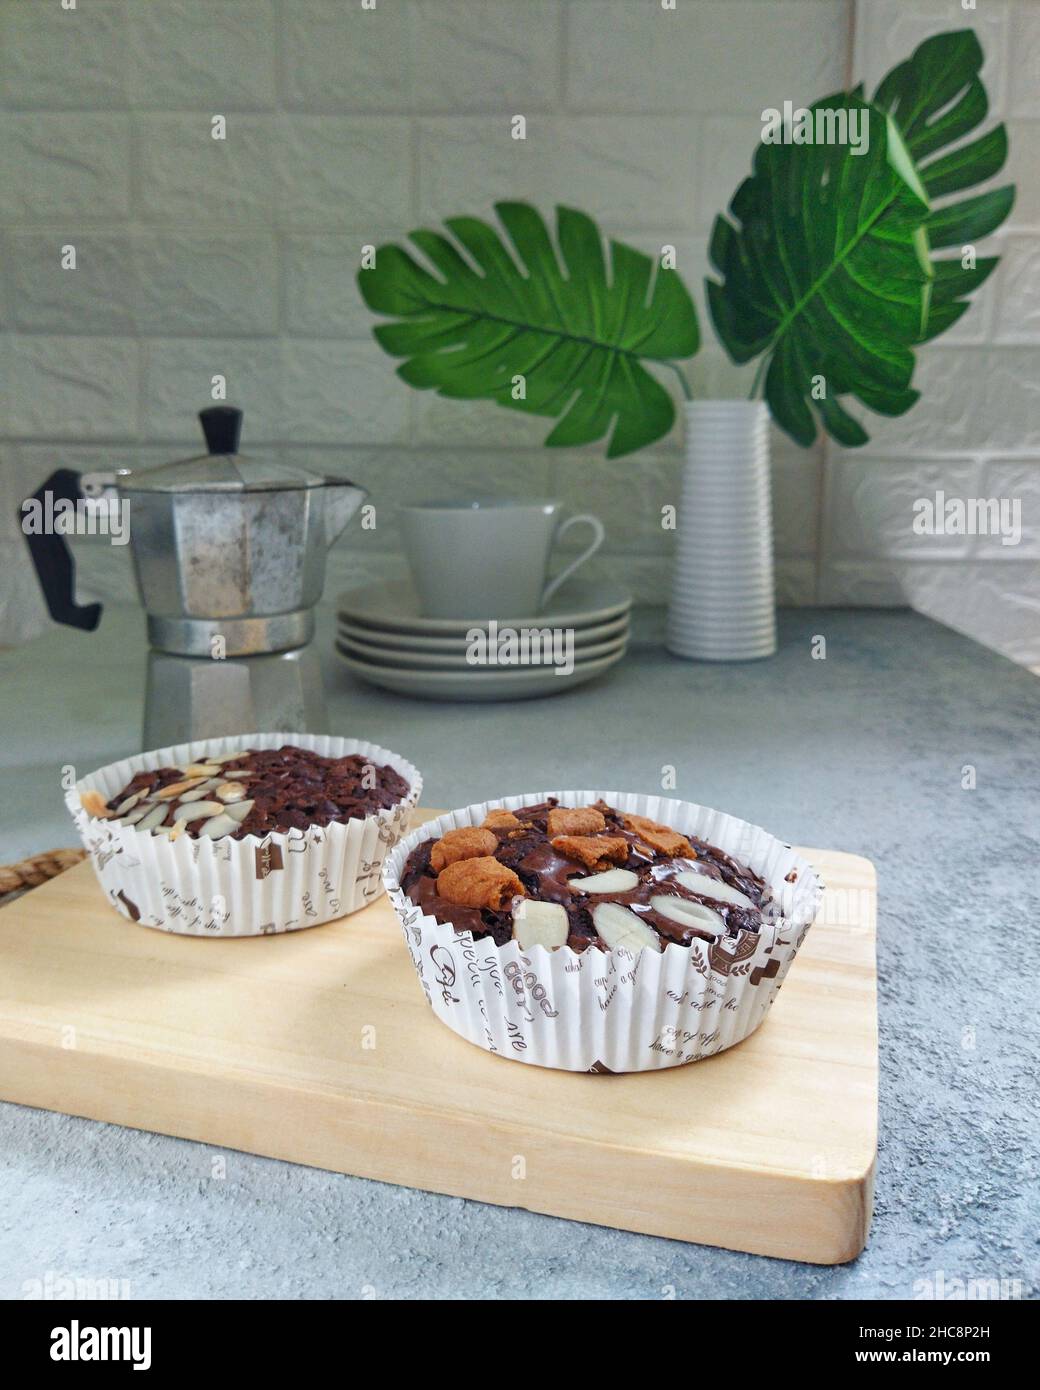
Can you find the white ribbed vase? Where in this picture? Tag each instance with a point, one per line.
(723, 604)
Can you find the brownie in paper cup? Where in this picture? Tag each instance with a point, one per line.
(614, 1010)
(248, 886)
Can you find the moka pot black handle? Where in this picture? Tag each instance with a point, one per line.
(50, 552)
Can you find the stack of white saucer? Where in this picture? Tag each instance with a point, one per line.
(384, 638)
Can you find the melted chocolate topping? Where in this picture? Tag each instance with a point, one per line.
(546, 875)
(290, 789)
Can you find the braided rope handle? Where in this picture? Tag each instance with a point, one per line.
(37, 869)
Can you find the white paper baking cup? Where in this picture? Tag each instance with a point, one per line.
(611, 1011)
(246, 887)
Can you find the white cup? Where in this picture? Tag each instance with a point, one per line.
(488, 559)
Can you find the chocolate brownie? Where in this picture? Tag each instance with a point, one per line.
(581, 877)
(252, 792)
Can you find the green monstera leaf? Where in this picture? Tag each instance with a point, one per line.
(829, 274)
(825, 273)
(937, 98)
(551, 330)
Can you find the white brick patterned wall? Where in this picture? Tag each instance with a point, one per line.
(975, 433)
(346, 126)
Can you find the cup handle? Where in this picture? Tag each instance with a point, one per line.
(599, 536)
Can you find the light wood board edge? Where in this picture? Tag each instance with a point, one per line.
(776, 1213)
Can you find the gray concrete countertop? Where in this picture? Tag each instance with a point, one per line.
(862, 751)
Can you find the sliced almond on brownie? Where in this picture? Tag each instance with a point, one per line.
(153, 819)
(620, 927)
(709, 887)
(537, 923)
(95, 805)
(196, 810)
(230, 791)
(173, 789)
(611, 881)
(688, 914)
(217, 826)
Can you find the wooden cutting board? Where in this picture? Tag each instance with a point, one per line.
(318, 1047)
